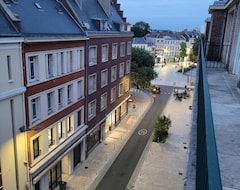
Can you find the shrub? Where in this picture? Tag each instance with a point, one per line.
(161, 127)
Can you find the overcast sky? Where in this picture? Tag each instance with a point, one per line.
(167, 14)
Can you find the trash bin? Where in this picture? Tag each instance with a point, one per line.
(62, 185)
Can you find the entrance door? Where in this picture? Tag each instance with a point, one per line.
(77, 155)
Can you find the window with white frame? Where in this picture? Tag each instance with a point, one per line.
(114, 50)
(50, 102)
(92, 83)
(104, 52)
(60, 63)
(122, 49)
(127, 85)
(113, 73)
(70, 61)
(92, 55)
(70, 123)
(49, 67)
(103, 101)
(35, 109)
(80, 89)
(120, 89)
(33, 72)
(104, 77)
(80, 117)
(121, 69)
(129, 48)
(80, 59)
(60, 130)
(128, 67)
(51, 140)
(91, 109)
(60, 98)
(70, 93)
(113, 94)
(36, 147)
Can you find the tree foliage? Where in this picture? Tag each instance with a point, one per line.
(183, 50)
(161, 127)
(194, 51)
(142, 68)
(140, 29)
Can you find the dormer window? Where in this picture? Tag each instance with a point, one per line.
(104, 25)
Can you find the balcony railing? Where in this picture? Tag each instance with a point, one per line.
(207, 164)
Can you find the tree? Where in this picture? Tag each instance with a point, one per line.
(194, 51)
(140, 29)
(142, 68)
(161, 127)
(183, 50)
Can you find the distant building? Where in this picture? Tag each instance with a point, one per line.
(167, 43)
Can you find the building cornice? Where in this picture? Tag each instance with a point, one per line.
(12, 93)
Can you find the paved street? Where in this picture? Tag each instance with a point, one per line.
(124, 165)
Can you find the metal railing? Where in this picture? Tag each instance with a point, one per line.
(207, 164)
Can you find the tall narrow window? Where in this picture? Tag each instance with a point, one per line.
(121, 70)
(120, 89)
(50, 137)
(49, 65)
(113, 94)
(50, 102)
(70, 61)
(35, 103)
(79, 117)
(69, 124)
(9, 68)
(92, 83)
(80, 89)
(33, 68)
(92, 55)
(36, 148)
(128, 67)
(80, 59)
(114, 50)
(60, 98)
(113, 73)
(104, 77)
(62, 62)
(92, 109)
(129, 48)
(60, 130)
(122, 49)
(69, 93)
(104, 52)
(103, 101)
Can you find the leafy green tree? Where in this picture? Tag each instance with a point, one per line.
(161, 127)
(194, 51)
(140, 29)
(183, 50)
(142, 68)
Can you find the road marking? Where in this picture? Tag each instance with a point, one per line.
(142, 132)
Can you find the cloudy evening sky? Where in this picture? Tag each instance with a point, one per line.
(167, 14)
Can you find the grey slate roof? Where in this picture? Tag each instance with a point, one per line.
(44, 17)
(6, 29)
(139, 40)
(93, 13)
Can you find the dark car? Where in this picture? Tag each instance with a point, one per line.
(156, 89)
